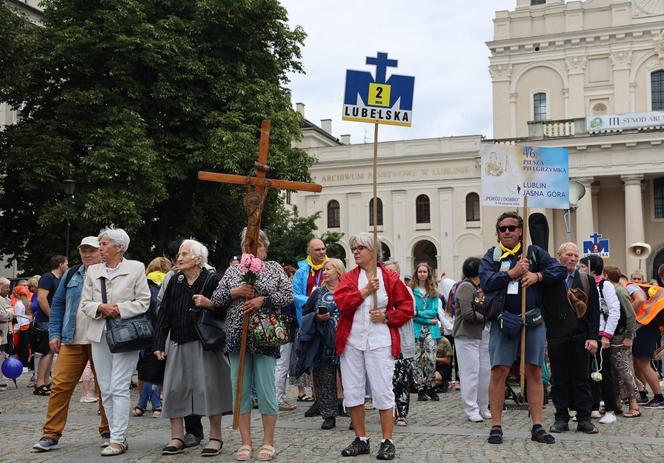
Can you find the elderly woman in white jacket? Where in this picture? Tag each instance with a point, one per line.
(127, 295)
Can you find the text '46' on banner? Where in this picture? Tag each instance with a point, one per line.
(379, 100)
(510, 172)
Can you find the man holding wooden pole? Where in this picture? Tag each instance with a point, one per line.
(505, 274)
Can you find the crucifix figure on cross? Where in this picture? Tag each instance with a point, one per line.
(254, 203)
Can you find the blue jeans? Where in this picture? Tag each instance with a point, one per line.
(150, 391)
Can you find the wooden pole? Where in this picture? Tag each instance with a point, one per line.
(524, 256)
(375, 211)
(253, 235)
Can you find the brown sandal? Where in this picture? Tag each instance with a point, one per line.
(138, 411)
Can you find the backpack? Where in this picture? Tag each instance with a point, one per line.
(622, 322)
(450, 307)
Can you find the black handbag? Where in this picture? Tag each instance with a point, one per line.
(151, 369)
(129, 334)
(210, 325)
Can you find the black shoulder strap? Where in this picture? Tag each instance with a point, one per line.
(70, 274)
(207, 278)
(103, 290)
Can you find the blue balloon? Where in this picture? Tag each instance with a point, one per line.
(12, 368)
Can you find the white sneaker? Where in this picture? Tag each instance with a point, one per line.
(608, 418)
(486, 414)
(475, 418)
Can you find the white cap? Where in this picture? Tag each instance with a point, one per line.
(89, 241)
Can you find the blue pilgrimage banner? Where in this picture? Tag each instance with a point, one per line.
(510, 172)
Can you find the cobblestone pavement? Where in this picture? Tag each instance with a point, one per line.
(437, 431)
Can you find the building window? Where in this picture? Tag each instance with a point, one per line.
(379, 212)
(422, 211)
(658, 199)
(472, 207)
(333, 214)
(537, 2)
(539, 106)
(657, 90)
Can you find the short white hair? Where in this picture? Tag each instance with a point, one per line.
(394, 264)
(363, 239)
(117, 236)
(4, 281)
(197, 250)
(563, 247)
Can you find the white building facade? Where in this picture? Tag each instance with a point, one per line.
(555, 67)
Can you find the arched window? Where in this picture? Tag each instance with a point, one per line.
(539, 107)
(379, 211)
(472, 207)
(658, 197)
(333, 215)
(422, 210)
(657, 90)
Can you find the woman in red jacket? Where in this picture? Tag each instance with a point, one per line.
(368, 340)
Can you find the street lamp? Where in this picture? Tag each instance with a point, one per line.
(576, 192)
(70, 188)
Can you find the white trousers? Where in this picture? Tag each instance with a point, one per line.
(474, 372)
(375, 365)
(281, 371)
(114, 377)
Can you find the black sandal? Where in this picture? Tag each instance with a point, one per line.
(539, 434)
(172, 449)
(210, 452)
(495, 435)
(41, 390)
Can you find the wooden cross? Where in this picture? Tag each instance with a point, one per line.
(254, 202)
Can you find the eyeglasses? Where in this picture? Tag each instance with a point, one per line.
(357, 249)
(507, 227)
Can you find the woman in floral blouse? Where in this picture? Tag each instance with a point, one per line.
(271, 293)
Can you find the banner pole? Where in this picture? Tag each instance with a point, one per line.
(375, 211)
(524, 256)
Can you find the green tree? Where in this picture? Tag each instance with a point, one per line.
(130, 98)
(331, 240)
(289, 236)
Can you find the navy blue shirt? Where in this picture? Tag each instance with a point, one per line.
(49, 282)
(493, 280)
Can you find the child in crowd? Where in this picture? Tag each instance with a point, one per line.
(88, 385)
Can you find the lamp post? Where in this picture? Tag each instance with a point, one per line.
(70, 188)
(576, 192)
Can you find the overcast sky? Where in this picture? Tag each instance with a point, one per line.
(440, 42)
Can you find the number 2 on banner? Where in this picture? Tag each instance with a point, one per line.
(379, 94)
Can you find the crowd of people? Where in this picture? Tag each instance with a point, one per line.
(361, 338)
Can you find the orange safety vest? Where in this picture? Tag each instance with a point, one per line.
(651, 307)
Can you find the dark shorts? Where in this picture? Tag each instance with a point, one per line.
(504, 349)
(39, 341)
(645, 341)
